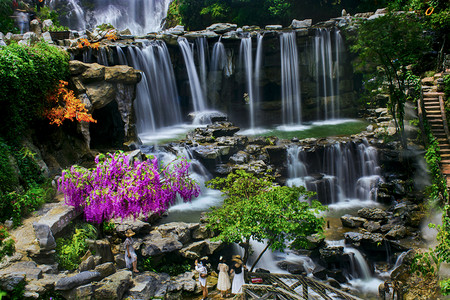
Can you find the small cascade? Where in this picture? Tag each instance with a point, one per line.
(290, 80)
(245, 57)
(121, 55)
(156, 102)
(217, 67)
(201, 45)
(252, 73)
(197, 95)
(327, 72)
(343, 172)
(102, 58)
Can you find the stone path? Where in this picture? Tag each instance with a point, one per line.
(433, 101)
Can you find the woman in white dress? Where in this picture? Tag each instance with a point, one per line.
(200, 267)
(223, 282)
(238, 280)
(130, 254)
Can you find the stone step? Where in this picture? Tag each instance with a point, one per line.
(430, 99)
(431, 112)
(433, 94)
(433, 107)
(433, 116)
(435, 120)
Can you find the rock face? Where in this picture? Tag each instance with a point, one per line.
(52, 223)
(100, 86)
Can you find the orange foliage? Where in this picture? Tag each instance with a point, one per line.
(67, 106)
(95, 46)
(112, 36)
(83, 43)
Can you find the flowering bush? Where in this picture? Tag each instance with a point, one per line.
(67, 106)
(118, 187)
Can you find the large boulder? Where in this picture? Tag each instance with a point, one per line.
(352, 222)
(144, 286)
(376, 214)
(114, 286)
(70, 282)
(53, 222)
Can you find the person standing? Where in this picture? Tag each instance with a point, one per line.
(238, 280)
(223, 282)
(200, 267)
(130, 254)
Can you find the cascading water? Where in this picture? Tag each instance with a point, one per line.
(218, 64)
(290, 80)
(201, 45)
(198, 99)
(156, 104)
(252, 74)
(140, 16)
(327, 72)
(342, 173)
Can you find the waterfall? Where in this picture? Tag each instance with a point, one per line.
(197, 95)
(343, 172)
(121, 55)
(245, 54)
(290, 80)
(102, 57)
(156, 104)
(140, 16)
(218, 64)
(202, 52)
(327, 72)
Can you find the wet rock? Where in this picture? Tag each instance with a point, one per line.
(240, 158)
(222, 27)
(296, 24)
(314, 241)
(397, 232)
(331, 253)
(372, 226)
(274, 27)
(136, 225)
(366, 240)
(320, 272)
(352, 222)
(333, 282)
(82, 278)
(376, 214)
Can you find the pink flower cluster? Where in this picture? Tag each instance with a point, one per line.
(117, 187)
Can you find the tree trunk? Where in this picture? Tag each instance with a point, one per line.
(259, 256)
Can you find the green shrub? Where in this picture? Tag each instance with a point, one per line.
(6, 22)
(6, 243)
(27, 74)
(70, 250)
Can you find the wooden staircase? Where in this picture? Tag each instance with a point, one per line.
(434, 110)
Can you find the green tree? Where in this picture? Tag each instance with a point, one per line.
(386, 47)
(256, 209)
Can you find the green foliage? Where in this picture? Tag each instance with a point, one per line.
(6, 22)
(7, 244)
(55, 28)
(438, 189)
(447, 87)
(105, 27)
(70, 250)
(27, 74)
(48, 14)
(256, 209)
(427, 264)
(109, 227)
(171, 268)
(173, 14)
(390, 45)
